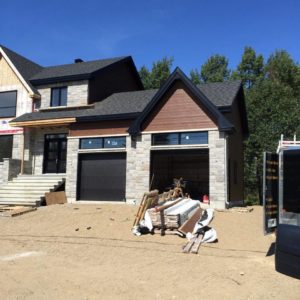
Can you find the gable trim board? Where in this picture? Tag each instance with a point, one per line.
(32, 94)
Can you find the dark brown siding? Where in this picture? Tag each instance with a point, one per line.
(235, 155)
(119, 78)
(178, 111)
(100, 128)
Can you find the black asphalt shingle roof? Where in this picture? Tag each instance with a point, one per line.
(35, 74)
(74, 69)
(220, 94)
(26, 67)
(116, 104)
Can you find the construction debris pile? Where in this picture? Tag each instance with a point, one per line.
(174, 213)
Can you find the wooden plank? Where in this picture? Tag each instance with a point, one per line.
(188, 246)
(14, 211)
(56, 198)
(197, 243)
(189, 224)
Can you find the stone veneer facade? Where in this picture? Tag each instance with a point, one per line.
(77, 93)
(138, 168)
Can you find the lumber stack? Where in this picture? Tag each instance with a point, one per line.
(175, 213)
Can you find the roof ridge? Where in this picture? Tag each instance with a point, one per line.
(220, 82)
(88, 61)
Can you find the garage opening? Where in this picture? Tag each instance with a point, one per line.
(192, 165)
(101, 177)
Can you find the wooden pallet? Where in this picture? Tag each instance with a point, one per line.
(13, 211)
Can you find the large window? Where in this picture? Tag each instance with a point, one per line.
(59, 96)
(6, 143)
(182, 138)
(8, 101)
(106, 142)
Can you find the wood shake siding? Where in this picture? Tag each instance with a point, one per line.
(178, 111)
(100, 128)
(7, 75)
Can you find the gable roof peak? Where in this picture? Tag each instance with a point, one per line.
(222, 123)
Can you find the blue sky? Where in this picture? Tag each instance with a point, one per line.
(55, 32)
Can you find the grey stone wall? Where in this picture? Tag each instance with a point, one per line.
(138, 168)
(1, 173)
(77, 93)
(217, 169)
(72, 164)
(10, 168)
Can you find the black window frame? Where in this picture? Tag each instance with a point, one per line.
(102, 142)
(60, 88)
(7, 152)
(179, 138)
(14, 107)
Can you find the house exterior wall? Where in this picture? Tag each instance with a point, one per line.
(217, 169)
(178, 111)
(72, 169)
(77, 93)
(118, 78)
(138, 167)
(138, 152)
(9, 81)
(235, 156)
(100, 128)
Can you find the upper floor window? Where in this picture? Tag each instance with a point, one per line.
(181, 138)
(8, 102)
(59, 96)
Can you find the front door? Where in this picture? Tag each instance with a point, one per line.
(55, 153)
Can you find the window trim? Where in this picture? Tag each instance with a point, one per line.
(179, 139)
(102, 143)
(51, 96)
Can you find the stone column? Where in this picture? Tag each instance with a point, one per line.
(217, 169)
(138, 168)
(72, 165)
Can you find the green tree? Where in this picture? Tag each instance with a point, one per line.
(215, 69)
(273, 108)
(250, 68)
(281, 68)
(195, 76)
(158, 75)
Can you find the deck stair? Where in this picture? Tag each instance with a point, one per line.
(29, 190)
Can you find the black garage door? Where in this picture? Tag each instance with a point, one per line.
(191, 165)
(102, 176)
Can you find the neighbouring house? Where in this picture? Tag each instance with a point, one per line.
(95, 125)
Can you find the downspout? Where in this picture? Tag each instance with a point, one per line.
(226, 171)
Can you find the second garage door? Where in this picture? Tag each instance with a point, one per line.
(102, 177)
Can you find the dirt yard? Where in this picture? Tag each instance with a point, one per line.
(88, 252)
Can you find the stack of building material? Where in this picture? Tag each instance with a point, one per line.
(174, 215)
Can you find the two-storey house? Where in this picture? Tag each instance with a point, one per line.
(111, 140)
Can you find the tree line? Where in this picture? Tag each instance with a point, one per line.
(272, 94)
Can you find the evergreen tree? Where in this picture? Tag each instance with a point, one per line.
(250, 68)
(160, 72)
(215, 69)
(195, 76)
